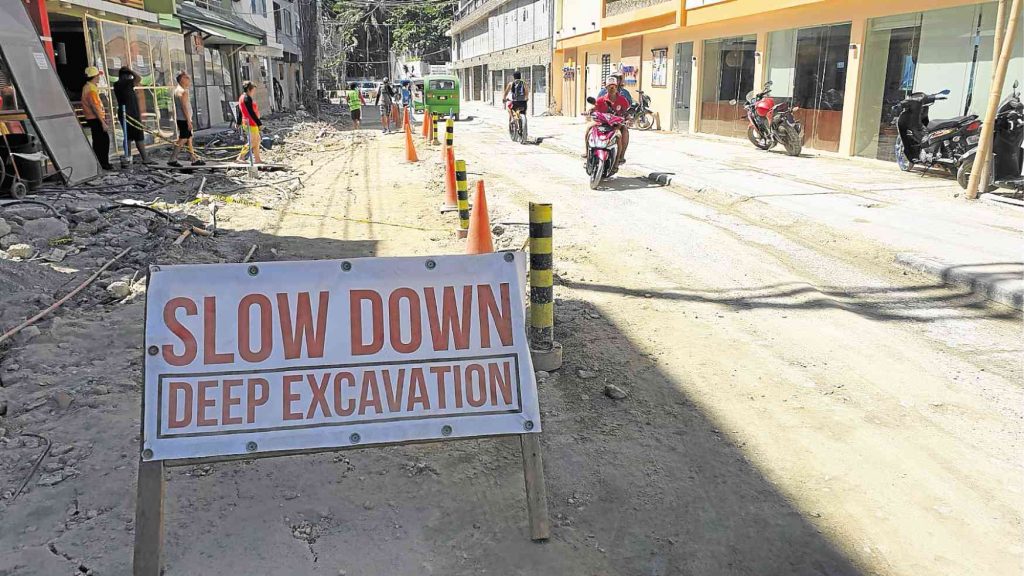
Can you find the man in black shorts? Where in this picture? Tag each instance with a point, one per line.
(183, 116)
(519, 93)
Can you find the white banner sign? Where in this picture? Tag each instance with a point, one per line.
(303, 355)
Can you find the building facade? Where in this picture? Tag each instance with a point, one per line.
(493, 39)
(844, 63)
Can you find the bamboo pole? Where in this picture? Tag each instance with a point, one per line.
(998, 77)
(997, 45)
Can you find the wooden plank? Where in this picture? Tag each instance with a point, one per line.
(536, 493)
(220, 166)
(149, 520)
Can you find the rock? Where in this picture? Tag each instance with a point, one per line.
(29, 333)
(88, 215)
(20, 251)
(368, 505)
(119, 289)
(63, 399)
(51, 479)
(3, 407)
(56, 255)
(46, 228)
(498, 230)
(9, 240)
(614, 392)
(586, 374)
(5, 228)
(542, 375)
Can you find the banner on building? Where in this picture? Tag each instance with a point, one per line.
(295, 356)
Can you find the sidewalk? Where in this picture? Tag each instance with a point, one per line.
(919, 221)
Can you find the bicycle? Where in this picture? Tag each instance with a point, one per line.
(517, 126)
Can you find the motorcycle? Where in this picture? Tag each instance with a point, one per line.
(639, 113)
(602, 146)
(772, 123)
(931, 142)
(1008, 156)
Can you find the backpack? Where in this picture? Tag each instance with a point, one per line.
(518, 90)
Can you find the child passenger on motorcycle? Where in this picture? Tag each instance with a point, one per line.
(612, 102)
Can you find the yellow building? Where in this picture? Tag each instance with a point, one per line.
(843, 62)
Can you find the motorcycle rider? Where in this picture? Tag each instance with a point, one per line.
(520, 94)
(612, 102)
(622, 89)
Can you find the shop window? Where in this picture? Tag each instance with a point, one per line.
(179, 61)
(926, 52)
(808, 66)
(141, 58)
(728, 74)
(115, 48)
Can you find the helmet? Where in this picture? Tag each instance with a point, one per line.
(92, 72)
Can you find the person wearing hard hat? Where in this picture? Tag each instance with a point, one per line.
(96, 117)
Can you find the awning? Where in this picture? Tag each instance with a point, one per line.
(219, 27)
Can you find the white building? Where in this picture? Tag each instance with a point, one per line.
(274, 67)
(492, 39)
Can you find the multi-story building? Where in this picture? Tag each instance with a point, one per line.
(287, 70)
(157, 39)
(492, 39)
(843, 62)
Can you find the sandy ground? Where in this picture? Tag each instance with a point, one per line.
(792, 410)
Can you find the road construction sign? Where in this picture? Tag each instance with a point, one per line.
(299, 356)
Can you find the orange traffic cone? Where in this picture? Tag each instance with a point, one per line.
(410, 148)
(394, 115)
(480, 241)
(405, 117)
(426, 124)
(451, 201)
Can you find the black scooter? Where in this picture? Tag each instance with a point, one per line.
(931, 142)
(1007, 154)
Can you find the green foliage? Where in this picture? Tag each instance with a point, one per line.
(420, 28)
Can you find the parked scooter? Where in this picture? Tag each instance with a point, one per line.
(639, 114)
(1008, 156)
(772, 123)
(931, 142)
(602, 146)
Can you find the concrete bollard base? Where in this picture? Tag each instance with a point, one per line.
(547, 360)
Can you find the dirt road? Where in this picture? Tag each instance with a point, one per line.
(792, 410)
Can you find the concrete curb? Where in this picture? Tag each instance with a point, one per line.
(1001, 282)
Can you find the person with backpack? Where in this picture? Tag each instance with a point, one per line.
(386, 100)
(518, 92)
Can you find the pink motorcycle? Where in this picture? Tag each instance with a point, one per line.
(603, 146)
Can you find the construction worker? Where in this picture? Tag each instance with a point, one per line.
(251, 123)
(355, 103)
(96, 117)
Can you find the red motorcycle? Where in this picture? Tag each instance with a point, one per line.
(603, 146)
(772, 123)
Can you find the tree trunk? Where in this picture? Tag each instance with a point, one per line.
(309, 15)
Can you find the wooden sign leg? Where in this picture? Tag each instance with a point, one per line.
(149, 520)
(536, 494)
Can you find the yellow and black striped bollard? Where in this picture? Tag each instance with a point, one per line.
(546, 353)
(433, 128)
(449, 132)
(462, 189)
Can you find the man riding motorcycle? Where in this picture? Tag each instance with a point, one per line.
(611, 103)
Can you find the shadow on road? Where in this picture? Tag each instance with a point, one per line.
(920, 303)
(623, 184)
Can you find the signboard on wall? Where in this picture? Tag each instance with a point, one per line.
(293, 356)
(659, 67)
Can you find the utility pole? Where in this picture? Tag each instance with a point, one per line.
(997, 46)
(998, 77)
(309, 15)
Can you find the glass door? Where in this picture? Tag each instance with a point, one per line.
(820, 83)
(681, 91)
(728, 75)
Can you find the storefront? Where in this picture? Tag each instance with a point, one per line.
(843, 63)
(927, 52)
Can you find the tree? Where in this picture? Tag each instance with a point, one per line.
(419, 29)
(309, 18)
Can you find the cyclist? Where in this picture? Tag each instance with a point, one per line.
(610, 103)
(386, 99)
(519, 93)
